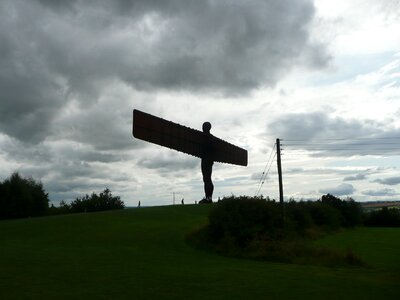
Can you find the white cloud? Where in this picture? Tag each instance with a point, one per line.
(380, 193)
(343, 189)
(359, 26)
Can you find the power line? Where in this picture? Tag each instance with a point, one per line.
(344, 139)
(321, 153)
(345, 149)
(272, 151)
(265, 175)
(341, 144)
(384, 148)
(336, 147)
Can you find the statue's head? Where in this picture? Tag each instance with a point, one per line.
(206, 127)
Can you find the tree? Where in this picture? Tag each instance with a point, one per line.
(350, 210)
(22, 197)
(94, 202)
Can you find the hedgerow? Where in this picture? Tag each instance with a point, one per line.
(260, 228)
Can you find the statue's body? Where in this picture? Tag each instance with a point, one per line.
(207, 163)
(190, 141)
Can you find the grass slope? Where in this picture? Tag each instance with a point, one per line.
(141, 254)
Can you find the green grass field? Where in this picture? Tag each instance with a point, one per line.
(141, 254)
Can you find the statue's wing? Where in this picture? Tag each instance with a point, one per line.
(168, 134)
(184, 139)
(227, 153)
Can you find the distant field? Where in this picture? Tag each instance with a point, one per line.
(141, 254)
(368, 206)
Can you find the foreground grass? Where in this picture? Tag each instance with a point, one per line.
(141, 254)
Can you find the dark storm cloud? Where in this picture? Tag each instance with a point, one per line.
(42, 154)
(71, 189)
(318, 125)
(104, 127)
(340, 190)
(24, 153)
(68, 179)
(55, 51)
(380, 193)
(29, 94)
(388, 181)
(217, 45)
(325, 135)
(96, 156)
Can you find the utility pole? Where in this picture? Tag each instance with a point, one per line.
(173, 198)
(278, 160)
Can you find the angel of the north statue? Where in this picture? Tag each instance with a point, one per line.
(201, 144)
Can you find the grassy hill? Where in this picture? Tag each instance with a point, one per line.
(141, 254)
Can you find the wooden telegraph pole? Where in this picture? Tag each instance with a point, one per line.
(278, 160)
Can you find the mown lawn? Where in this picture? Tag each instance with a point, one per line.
(141, 254)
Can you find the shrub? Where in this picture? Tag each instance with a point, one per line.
(243, 219)
(22, 197)
(94, 202)
(256, 227)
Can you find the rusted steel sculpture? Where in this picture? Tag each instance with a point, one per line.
(201, 144)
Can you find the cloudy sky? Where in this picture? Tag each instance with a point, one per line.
(323, 76)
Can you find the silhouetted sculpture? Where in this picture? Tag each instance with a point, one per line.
(207, 163)
(190, 141)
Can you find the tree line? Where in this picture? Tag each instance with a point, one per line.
(25, 197)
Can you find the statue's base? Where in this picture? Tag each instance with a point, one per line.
(205, 201)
